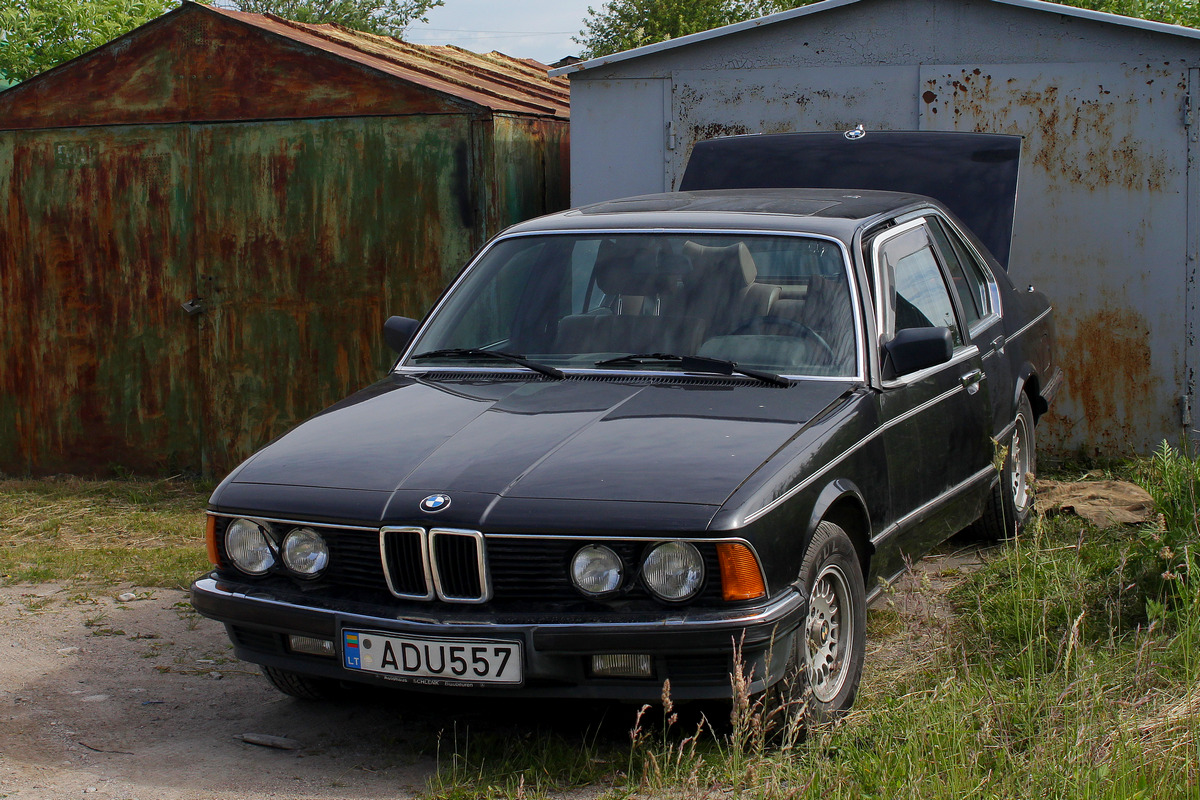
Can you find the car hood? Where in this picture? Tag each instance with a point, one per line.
(973, 174)
(584, 438)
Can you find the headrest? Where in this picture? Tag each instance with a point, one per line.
(733, 261)
(643, 272)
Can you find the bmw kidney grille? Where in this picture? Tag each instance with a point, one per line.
(450, 565)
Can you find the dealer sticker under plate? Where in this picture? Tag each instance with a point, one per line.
(426, 660)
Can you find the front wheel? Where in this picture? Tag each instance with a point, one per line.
(304, 687)
(826, 658)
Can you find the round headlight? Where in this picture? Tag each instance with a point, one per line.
(248, 547)
(595, 569)
(674, 570)
(305, 552)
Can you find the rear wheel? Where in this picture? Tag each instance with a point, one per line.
(1011, 503)
(825, 663)
(295, 684)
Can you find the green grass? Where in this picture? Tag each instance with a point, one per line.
(1068, 667)
(81, 532)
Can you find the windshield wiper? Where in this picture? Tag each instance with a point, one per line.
(474, 352)
(718, 366)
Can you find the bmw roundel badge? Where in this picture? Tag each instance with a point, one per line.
(435, 503)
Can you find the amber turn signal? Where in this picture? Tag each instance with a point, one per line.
(210, 539)
(741, 578)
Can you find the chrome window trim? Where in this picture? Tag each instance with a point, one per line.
(310, 523)
(994, 297)
(961, 354)
(485, 584)
(847, 264)
(941, 498)
(881, 320)
(879, 431)
(982, 324)
(424, 547)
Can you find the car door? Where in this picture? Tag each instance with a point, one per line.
(979, 303)
(935, 421)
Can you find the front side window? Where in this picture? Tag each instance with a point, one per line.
(776, 303)
(916, 293)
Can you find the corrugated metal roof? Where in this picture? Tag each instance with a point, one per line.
(828, 5)
(492, 80)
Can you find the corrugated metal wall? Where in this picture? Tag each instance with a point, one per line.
(292, 185)
(96, 255)
(296, 238)
(530, 168)
(1108, 175)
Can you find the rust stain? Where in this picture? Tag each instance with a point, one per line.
(1088, 139)
(1110, 388)
(202, 63)
(712, 130)
(299, 235)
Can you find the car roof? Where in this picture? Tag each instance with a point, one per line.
(830, 212)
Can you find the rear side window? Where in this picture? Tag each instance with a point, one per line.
(970, 280)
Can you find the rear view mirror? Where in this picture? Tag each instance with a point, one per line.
(914, 349)
(398, 332)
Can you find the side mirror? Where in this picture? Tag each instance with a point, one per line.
(398, 332)
(914, 349)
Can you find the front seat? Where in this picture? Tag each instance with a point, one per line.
(721, 288)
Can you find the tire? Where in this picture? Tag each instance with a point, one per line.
(1010, 505)
(303, 687)
(826, 658)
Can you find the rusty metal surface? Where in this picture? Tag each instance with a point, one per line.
(530, 169)
(296, 239)
(202, 63)
(298, 274)
(289, 184)
(1101, 227)
(98, 364)
(495, 81)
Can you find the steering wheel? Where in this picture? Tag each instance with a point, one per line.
(773, 325)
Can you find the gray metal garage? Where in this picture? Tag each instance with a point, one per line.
(1108, 218)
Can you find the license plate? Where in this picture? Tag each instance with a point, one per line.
(437, 661)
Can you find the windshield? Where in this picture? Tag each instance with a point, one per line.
(776, 303)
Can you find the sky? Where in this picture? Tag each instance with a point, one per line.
(539, 29)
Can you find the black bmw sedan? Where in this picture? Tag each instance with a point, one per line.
(636, 439)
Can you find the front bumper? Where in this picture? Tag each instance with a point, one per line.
(695, 650)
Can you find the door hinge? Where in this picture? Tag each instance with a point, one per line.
(671, 135)
(1187, 111)
(1186, 406)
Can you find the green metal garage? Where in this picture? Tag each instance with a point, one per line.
(204, 223)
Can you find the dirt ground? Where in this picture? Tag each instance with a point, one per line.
(140, 698)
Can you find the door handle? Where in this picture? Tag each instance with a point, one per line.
(972, 380)
(998, 343)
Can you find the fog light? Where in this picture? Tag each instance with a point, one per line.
(305, 552)
(674, 571)
(622, 665)
(311, 645)
(248, 547)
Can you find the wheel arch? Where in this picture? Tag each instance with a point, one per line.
(841, 502)
(1029, 384)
